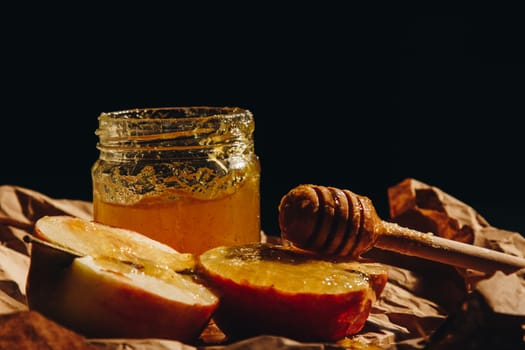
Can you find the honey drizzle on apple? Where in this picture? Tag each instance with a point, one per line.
(265, 264)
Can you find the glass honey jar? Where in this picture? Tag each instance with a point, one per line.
(184, 176)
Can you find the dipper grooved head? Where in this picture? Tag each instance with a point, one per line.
(328, 220)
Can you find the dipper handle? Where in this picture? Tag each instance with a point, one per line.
(339, 222)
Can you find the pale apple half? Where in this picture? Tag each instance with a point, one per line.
(130, 287)
(271, 289)
(92, 238)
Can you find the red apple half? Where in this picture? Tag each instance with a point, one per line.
(272, 289)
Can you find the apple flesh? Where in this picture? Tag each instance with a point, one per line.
(130, 292)
(85, 237)
(271, 289)
(102, 299)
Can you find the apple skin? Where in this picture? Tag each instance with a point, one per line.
(245, 311)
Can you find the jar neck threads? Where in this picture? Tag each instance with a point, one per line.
(174, 131)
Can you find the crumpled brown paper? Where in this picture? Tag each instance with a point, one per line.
(420, 308)
(428, 209)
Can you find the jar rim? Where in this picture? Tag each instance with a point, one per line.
(177, 112)
(173, 128)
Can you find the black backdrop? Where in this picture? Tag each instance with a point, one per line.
(340, 97)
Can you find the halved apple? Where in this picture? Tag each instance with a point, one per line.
(103, 281)
(91, 238)
(272, 289)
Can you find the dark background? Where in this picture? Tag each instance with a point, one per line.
(357, 100)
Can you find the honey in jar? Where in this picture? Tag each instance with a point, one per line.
(184, 176)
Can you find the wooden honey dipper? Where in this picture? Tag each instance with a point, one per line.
(338, 222)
